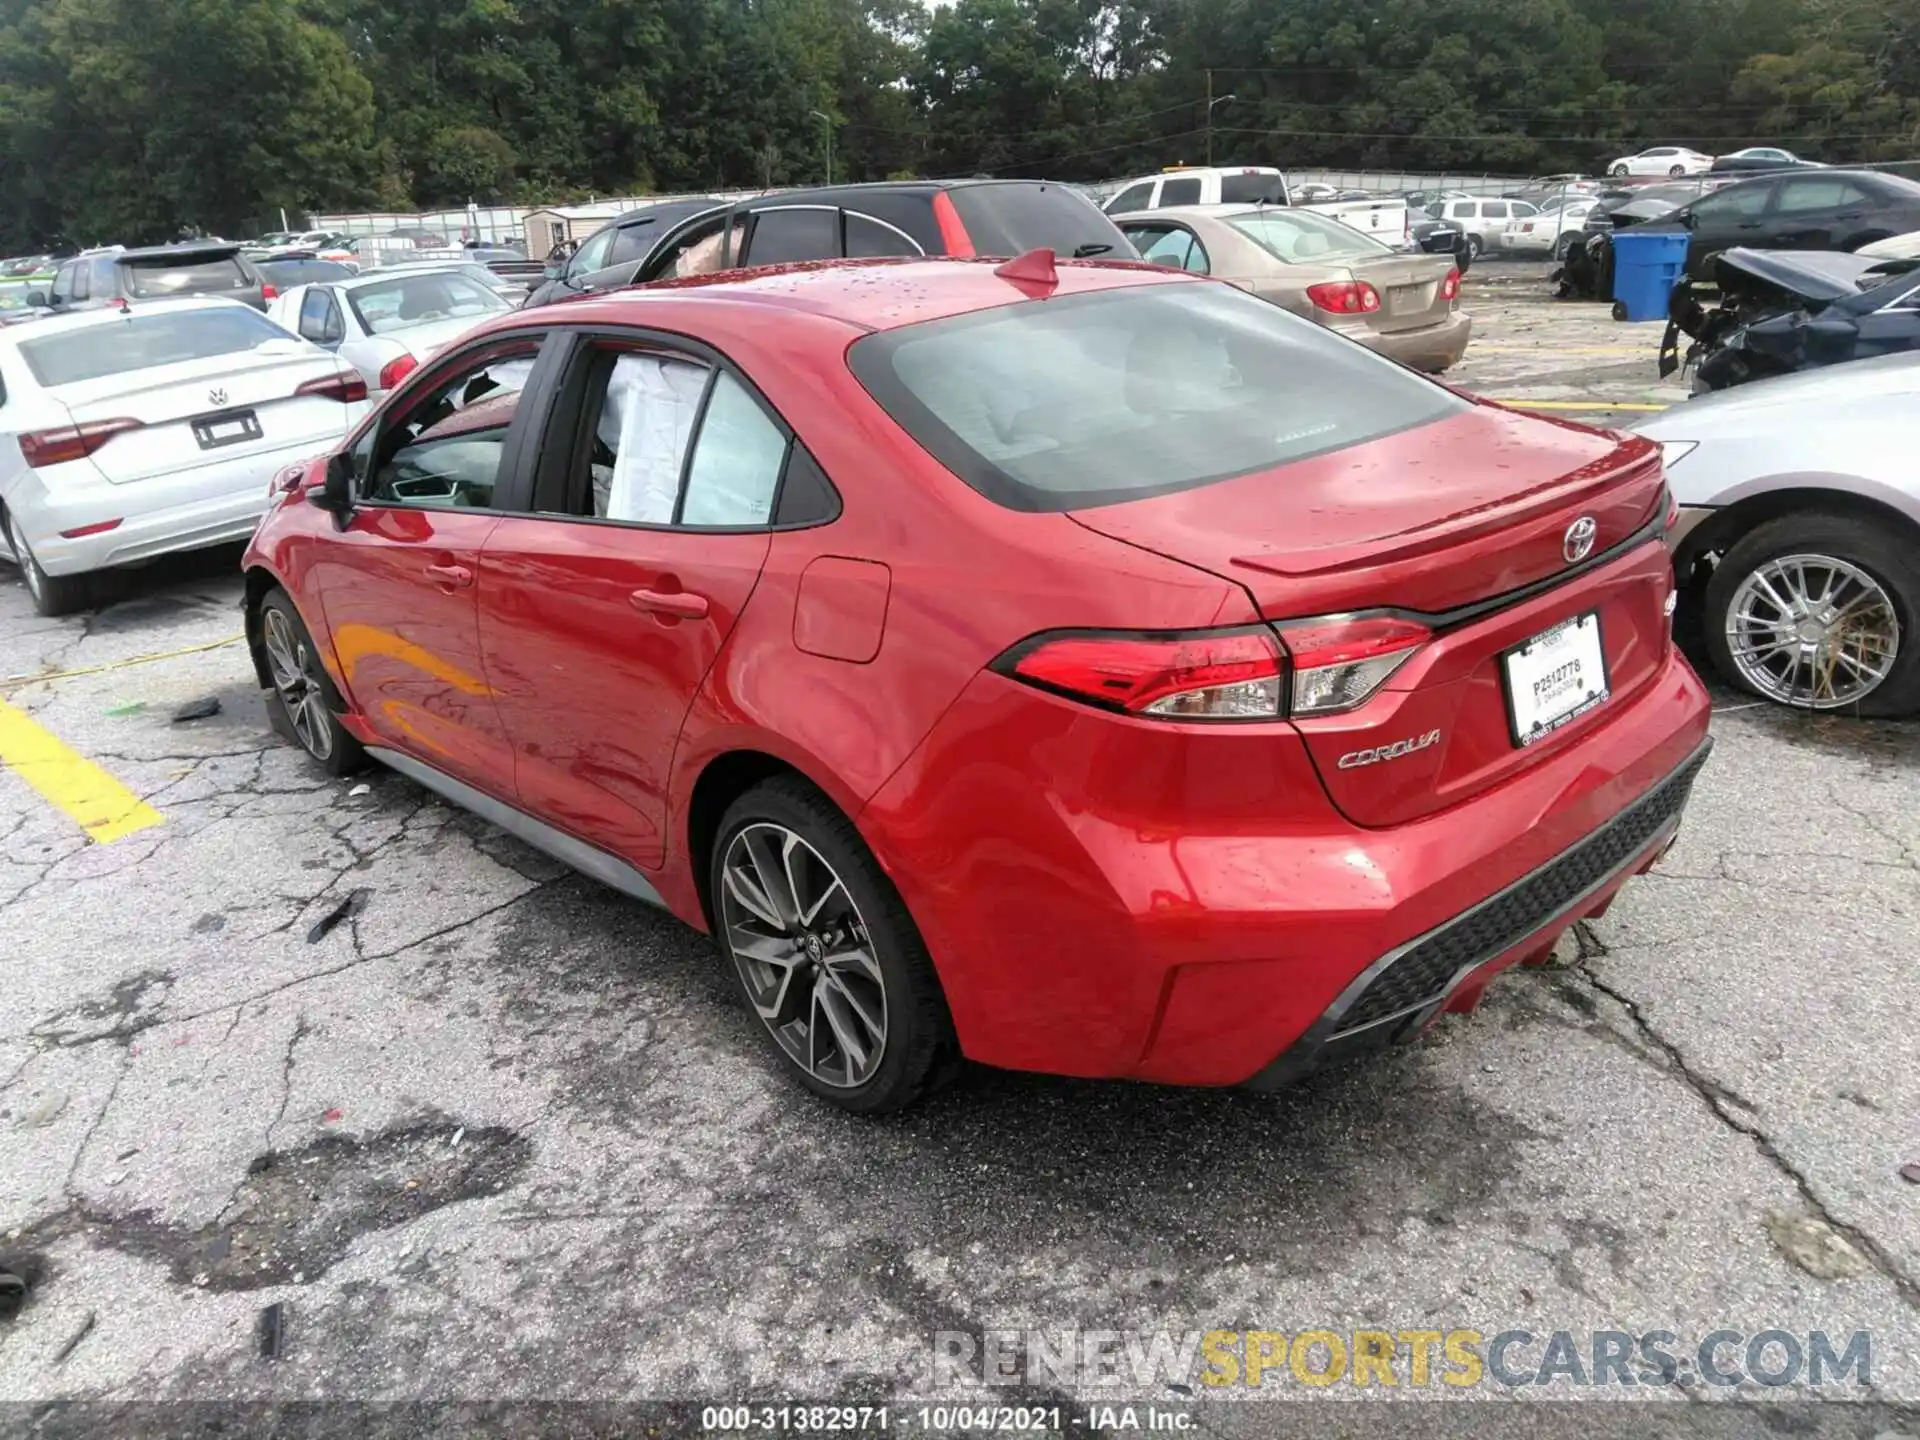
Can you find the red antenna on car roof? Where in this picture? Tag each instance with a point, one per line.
(1033, 272)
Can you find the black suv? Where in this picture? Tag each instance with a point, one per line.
(158, 272)
(906, 218)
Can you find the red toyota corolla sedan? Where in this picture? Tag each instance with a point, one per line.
(1097, 671)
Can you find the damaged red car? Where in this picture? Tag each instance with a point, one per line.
(1086, 669)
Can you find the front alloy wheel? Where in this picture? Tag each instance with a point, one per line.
(1819, 611)
(302, 703)
(290, 662)
(804, 955)
(1812, 631)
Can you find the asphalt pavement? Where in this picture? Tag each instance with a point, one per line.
(319, 1089)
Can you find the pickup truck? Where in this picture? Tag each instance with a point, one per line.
(1384, 217)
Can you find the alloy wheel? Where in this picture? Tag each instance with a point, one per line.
(291, 664)
(23, 557)
(804, 955)
(1812, 631)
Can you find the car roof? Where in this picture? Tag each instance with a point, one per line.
(868, 295)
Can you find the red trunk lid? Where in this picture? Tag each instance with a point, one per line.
(1436, 520)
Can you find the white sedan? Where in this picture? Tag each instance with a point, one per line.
(1662, 160)
(1551, 232)
(130, 433)
(1799, 528)
(386, 322)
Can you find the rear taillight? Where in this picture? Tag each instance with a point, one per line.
(394, 371)
(1320, 667)
(267, 292)
(1208, 675)
(70, 442)
(1450, 287)
(1670, 504)
(1339, 661)
(347, 389)
(1345, 297)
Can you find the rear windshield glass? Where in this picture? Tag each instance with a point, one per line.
(151, 279)
(1015, 218)
(1252, 189)
(140, 341)
(1302, 238)
(407, 300)
(1095, 399)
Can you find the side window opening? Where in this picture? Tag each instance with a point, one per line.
(446, 450)
(1185, 191)
(643, 406)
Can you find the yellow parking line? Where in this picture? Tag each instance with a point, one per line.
(1577, 405)
(91, 798)
(7, 680)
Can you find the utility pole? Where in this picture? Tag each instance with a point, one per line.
(1211, 102)
(826, 123)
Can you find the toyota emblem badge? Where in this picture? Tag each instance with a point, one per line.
(1577, 543)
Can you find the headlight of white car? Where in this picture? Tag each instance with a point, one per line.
(1672, 452)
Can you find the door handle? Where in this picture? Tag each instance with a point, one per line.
(451, 574)
(681, 604)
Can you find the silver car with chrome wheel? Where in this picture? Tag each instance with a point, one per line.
(1800, 531)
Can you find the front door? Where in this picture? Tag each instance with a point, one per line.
(601, 616)
(401, 588)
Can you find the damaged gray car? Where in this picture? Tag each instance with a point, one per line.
(1758, 313)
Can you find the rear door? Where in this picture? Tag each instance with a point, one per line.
(602, 613)
(401, 583)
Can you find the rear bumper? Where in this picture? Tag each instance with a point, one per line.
(1433, 347)
(188, 511)
(1402, 992)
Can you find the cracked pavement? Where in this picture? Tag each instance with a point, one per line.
(502, 1134)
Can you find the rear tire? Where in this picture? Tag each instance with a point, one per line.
(1885, 556)
(1474, 247)
(1676, 172)
(302, 703)
(52, 594)
(836, 971)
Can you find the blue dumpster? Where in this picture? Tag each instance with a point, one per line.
(1646, 267)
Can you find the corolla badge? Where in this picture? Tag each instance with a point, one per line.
(1354, 759)
(216, 396)
(1577, 543)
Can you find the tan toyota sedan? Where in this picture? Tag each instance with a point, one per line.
(1406, 306)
